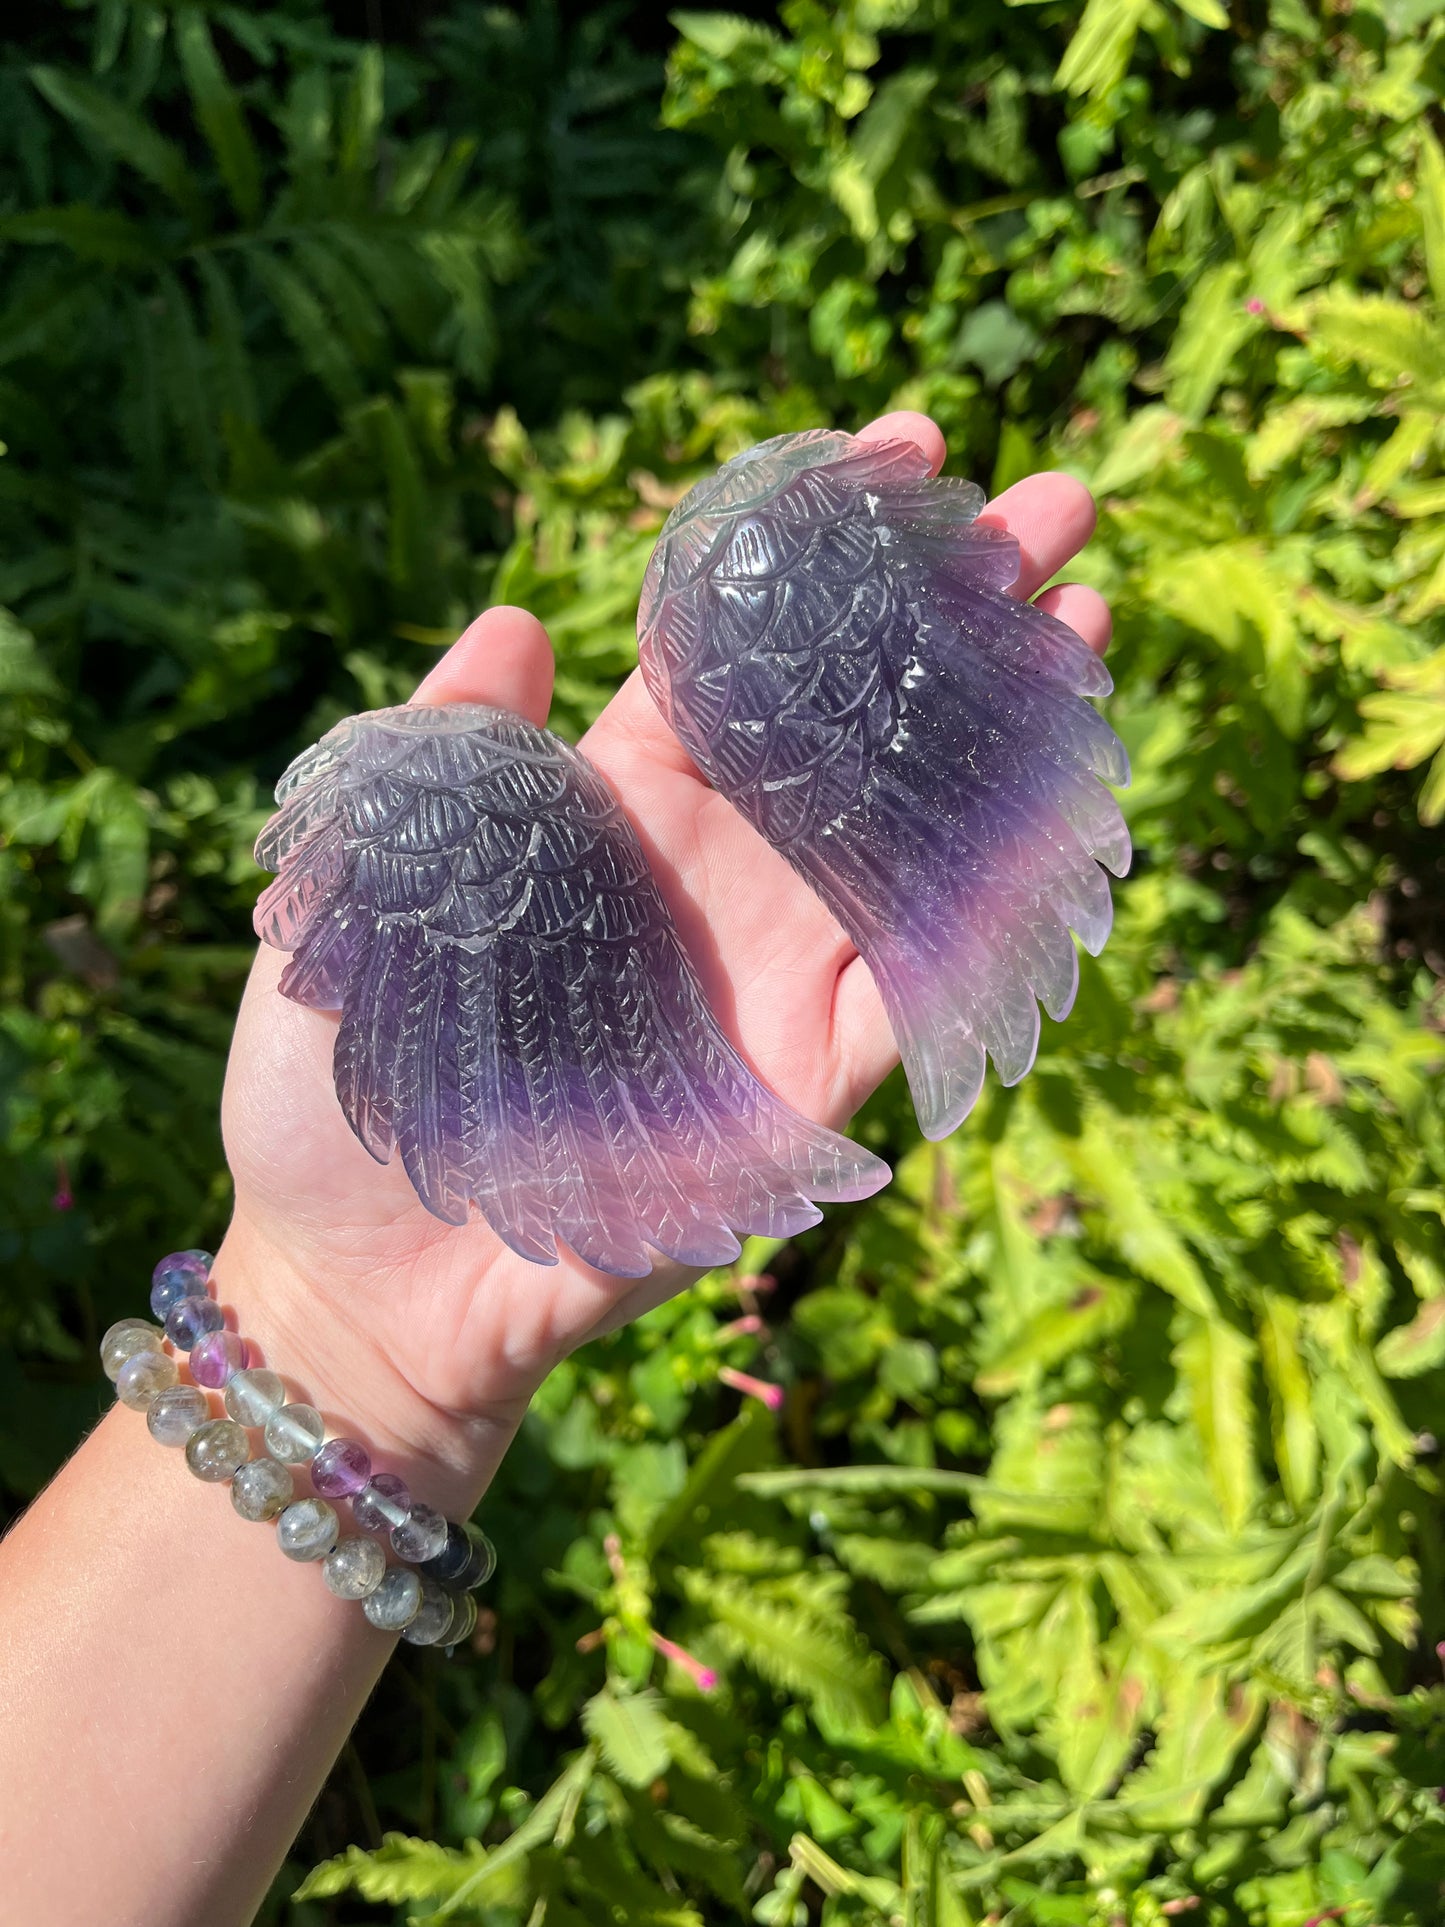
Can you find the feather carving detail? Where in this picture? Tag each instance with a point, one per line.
(519, 1020)
(828, 629)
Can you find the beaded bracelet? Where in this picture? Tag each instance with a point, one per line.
(429, 1606)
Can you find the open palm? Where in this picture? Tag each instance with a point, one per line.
(432, 1336)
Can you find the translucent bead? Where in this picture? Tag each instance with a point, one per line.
(394, 1604)
(191, 1319)
(354, 1567)
(421, 1535)
(467, 1560)
(341, 1467)
(433, 1615)
(142, 1376)
(182, 1274)
(261, 1489)
(464, 1620)
(216, 1358)
(176, 1413)
(217, 1450)
(124, 1340)
(383, 1503)
(308, 1529)
(253, 1394)
(294, 1433)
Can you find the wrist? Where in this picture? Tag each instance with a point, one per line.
(333, 1361)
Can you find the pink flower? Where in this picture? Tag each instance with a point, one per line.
(1254, 305)
(64, 1199)
(771, 1395)
(749, 1326)
(703, 1676)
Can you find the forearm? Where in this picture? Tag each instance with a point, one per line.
(174, 1690)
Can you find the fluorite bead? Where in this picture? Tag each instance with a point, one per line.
(341, 1467)
(393, 1605)
(253, 1394)
(261, 1489)
(142, 1376)
(294, 1433)
(308, 1529)
(354, 1567)
(124, 1339)
(466, 1561)
(217, 1450)
(464, 1620)
(383, 1503)
(433, 1615)
(216, 1358)
(177, 1412)
(421, 1535)
(182, 1274)
(191, 1319)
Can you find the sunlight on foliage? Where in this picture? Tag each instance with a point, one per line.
(1091, 1573)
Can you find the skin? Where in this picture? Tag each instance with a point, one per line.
(175, 1691)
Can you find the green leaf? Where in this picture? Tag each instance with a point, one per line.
(309, 326)
(219, 111)
(630, 1731)
(1215, 323)
(1296, 1439)
(399, 1870)
(121, 132)
(1398, 344)
(1430, 200)
(1418, 1347)
(1098, 55)
(90, 233)
(823, 1660)
(1214, 1363)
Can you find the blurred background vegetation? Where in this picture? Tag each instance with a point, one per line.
(1092, 1571)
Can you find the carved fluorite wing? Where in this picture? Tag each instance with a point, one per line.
(518, 1017)
(829, 631)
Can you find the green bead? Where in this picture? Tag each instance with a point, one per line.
(294, 1434)
(253, 1394)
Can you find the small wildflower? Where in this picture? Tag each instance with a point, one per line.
(64, 1199)
(703, 1677)
(759, 1388)
(1254, 305)
(749, 1326)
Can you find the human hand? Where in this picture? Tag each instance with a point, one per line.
(426, 1339)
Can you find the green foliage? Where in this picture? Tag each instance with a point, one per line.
(1093, 1571)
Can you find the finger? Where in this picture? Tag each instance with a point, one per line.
(631, 731)
(503, 658)
(907, 425)
(1083, 609)
(1052, 516)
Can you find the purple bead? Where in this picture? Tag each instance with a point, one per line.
(382, 1503)
(183, 1274)
(215, 1356)
(340, 1468)
(191, 1319)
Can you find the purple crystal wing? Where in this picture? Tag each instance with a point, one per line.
(829, 630)
(519, 1022)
